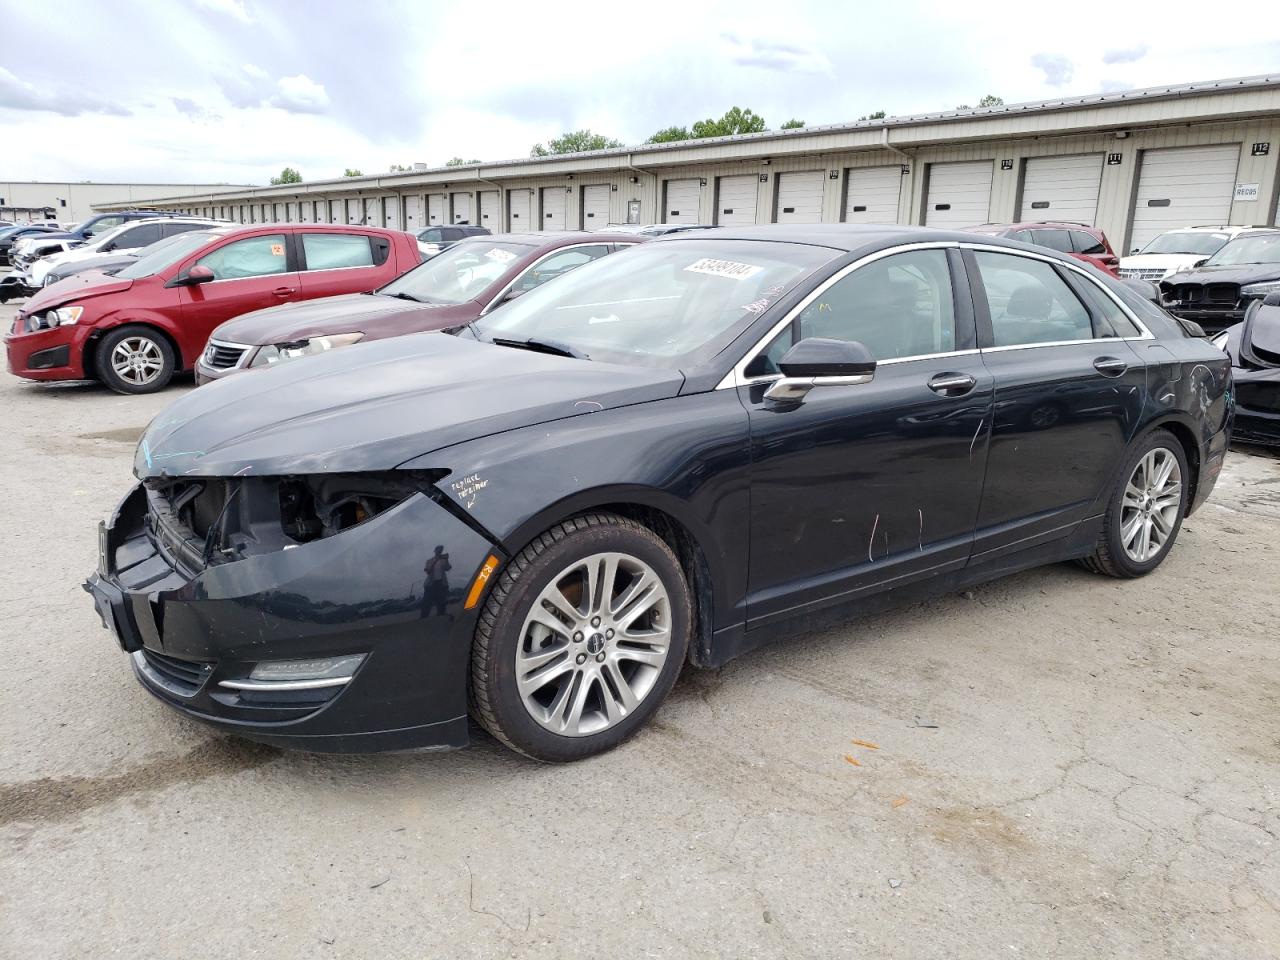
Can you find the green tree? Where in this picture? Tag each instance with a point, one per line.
(352, 172)
(287, 175)
(670, 135)
(577, 141)
(878, 115)
(735, 121)
(793, 124)
(991, 100)
(399, 168)
(454, 162)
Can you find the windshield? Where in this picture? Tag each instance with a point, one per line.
(165, 256)
(459, 274)
(1201, 244)
(96, 227)
(667, 303)
(1258, 248)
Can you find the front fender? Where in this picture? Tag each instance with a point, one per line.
(687, 457)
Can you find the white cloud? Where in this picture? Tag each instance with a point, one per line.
(231, 8)
(17, 94)
(300, 94)
(1127, 55)
(776, 55)
(254, 71)
(1057, 70)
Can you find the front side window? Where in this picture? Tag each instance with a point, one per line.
(899, 306)
(162, 257)
(557, 263)
(105, 223)
(1029, 302)
(334, 251)
(251, 257)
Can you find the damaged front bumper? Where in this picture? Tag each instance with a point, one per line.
(196, 639)
(1257, 405)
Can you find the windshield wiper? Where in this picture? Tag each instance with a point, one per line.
(405, 296)
(542, 346)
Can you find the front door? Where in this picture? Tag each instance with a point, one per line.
(249, 274)
(860, 487)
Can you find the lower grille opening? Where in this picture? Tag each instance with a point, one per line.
(183, 677)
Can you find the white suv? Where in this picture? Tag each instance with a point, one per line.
(128, 237)
(1178, 250)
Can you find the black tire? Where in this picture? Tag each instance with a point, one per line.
(495, 700)
(156, 344)
(1109, 556)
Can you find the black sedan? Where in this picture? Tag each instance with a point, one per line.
(1217, 291)
(672, 454)
(1254, 349)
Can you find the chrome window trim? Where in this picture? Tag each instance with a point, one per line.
(497, 298)
(737, 377)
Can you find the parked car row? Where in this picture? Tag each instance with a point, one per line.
(666, 455)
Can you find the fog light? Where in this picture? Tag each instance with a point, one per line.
(299, 674)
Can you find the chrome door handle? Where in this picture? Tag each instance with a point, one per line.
(952, 384)
(282, 291)
(1110, 366)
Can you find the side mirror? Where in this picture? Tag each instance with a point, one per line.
(195, 276)
(1201, 262)
(819, 362)
(513, 293)
(108, 246)
(1134, 250)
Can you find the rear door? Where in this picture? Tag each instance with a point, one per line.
(249, 274)
(333, 263)
(1068, 394)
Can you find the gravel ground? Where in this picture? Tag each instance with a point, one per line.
(1063, 766)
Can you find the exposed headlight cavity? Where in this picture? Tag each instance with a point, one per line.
(275, 353)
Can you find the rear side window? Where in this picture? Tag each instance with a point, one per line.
(251, 257)
(335, 251)
(180, 226)
(1029, 302)
(1111, 320)
(1087, 243)
(141, 236)
(1053, 239)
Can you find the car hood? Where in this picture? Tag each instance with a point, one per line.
(110, 261)
(1160, 261)
(1245, 273)
(374, 406)
(373, 314)
(81, 286)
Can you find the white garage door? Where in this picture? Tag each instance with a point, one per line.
(305, 209)
(391, 213)
(354, 210)
(800, 197)
(1061, 188)
(461, 207)
(490, 215)
(736, 200)
(682, 202)
(521, 211)
(553, 208)
(277, 213)
(871, 194)
(324, 212)
(373, 211)
(1183, 187)
(291, 212)
(435, 210)
(595, 206)
(413, 213)
(959, 194)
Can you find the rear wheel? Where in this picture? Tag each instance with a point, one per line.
(135, 360)
(581, 640)
(1146, 510)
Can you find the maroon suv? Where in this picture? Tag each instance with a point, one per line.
(1080, 241)
(133, 330)
(466, 281)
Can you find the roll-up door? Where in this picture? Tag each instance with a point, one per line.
(435, 210)
(800, 197)
(1183, 187)
(520, 202)
(277, 212)
(413, 213)
(681, 204)
(1061, 188)
(736, 200)
(553, 208)
(959, 194)
(305, 209)
(291, 211)
(461, 205)
(372, 211)
(871, 194)
(355, 210)
(490, 215)
(391, 213)
(595, 206)
(322, 211)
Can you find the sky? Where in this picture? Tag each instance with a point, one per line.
(231, 91)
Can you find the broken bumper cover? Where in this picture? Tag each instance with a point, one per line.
(195, 640)
(1257, 405)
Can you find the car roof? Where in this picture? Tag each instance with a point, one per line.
(1032, 224)
(838, 236)
(559, 238)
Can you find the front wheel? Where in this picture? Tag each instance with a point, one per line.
(135, 360)
(1146, 510)
(581, 639)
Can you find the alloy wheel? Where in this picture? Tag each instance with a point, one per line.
(1149, 509)
(137, 360)
(593, 644)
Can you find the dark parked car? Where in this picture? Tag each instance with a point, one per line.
(674, 454)
(434, 240)
(1254, 349)
(9, 234)
(1076, 239)
(135, 329)
(102, 222)
(1217, 292)
(465, 282)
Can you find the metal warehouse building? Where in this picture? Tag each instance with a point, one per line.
(1133, 163)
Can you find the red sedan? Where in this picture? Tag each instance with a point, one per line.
(135, 329)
